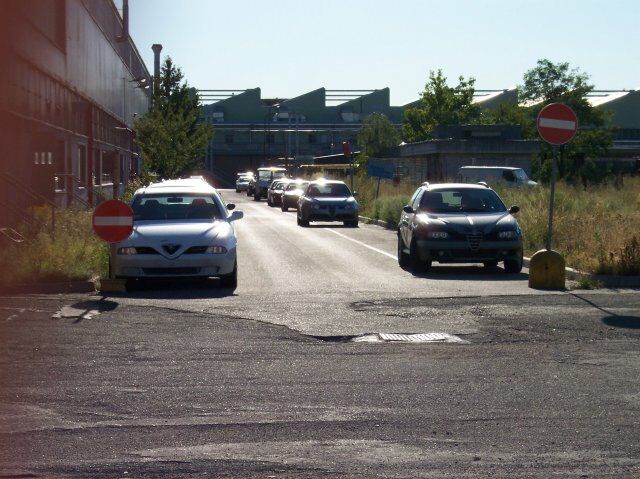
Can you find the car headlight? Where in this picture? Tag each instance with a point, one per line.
(127, 250)
(316, 207)
(508, 235)
(438, 234)
(216, 250)
(351, 205)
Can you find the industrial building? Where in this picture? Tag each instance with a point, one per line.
(252, 131)
(71, 84)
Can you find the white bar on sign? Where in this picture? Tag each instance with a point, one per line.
(559, 124)
(113, 221)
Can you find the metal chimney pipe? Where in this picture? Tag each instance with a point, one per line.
(125, 19)
(157, 48)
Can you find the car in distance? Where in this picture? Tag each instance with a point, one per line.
(458, 223)
(263, 181)
(242, 183)
(274, 194)
(181, 228)
(327, 200)
(292, 194)
(511, 176)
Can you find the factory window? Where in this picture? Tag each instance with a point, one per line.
(228, 138)
(81, 165)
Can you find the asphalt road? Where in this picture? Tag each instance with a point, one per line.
(187, 380)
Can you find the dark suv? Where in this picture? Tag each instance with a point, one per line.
(458, 223)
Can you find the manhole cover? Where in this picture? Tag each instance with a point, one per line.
(409, 338)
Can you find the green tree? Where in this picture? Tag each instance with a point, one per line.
(171, 136)
(440, 104)
(550, 82)
(377, 135)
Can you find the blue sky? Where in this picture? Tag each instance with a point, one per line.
(289, 47)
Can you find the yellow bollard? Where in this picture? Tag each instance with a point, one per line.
(546, 270)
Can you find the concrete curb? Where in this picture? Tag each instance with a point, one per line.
(607, 281)
(64, 287)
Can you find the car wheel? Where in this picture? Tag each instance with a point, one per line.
(284, 207)
(490, 264)
(513, 266)
(403, 258)
(302, 222)
(269, 202)
(230, 281)
(256, 197)
(417, 264)
(351, 224)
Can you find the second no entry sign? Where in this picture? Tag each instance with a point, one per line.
(557, 124)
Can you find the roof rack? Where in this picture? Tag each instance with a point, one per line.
(483, 183)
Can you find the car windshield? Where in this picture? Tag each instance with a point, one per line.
(521, 175)
(461, 200)
(269, 175)
(175, 207)
(296, 186)
(329, 189)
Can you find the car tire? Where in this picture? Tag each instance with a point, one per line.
(403, 258)
(417, 265)
(302, 222)
(490, 264)
(230, 281)
(269, 202)
(256, 197)
(513, 266)
(284, 207)
(351, 224)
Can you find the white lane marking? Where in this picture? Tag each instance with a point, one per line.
(113, 221)
(559, 124)
(392, 256)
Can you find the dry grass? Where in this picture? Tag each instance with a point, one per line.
(73, 253)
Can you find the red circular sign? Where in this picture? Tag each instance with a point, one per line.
(557, 124)
(113, 221)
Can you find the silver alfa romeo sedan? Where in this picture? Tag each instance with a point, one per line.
(181, 228)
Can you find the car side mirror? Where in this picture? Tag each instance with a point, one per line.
(407, 209)
(355, 193)
(230, 206)
(236, 215)
(514, 209)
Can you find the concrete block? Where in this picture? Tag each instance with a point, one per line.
(547, 270)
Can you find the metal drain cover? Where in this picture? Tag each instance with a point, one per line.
(409, 338)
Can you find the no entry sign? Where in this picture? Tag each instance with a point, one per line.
(557, 124)
(113, 221)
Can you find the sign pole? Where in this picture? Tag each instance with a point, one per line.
(352, 171)
(553, 194)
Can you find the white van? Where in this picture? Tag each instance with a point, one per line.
(495, 174)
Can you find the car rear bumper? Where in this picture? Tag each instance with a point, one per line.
(157, 266)
(461, 252)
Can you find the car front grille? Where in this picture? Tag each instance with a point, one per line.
(196, 250)
(145, 250)
(170, 271)
(474, 241)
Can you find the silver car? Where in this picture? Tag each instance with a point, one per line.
(182, 228)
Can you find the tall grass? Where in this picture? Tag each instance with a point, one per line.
(596, 229)
(73, 252)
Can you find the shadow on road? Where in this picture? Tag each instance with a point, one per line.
(175, 289)
(613, 319)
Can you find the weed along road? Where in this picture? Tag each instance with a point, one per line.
(328, 360)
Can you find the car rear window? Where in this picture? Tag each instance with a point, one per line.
(175, 207)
